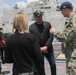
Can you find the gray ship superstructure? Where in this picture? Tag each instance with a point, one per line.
(49, 7)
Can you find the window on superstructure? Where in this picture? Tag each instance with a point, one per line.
(48, 7)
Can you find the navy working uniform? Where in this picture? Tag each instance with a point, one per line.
(68, 37)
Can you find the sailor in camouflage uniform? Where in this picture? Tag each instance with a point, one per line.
(68, 36)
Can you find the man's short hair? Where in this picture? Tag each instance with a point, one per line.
(67, 5)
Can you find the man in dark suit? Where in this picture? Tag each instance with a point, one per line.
(41, 29)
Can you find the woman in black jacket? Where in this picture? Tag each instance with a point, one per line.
(23, 48)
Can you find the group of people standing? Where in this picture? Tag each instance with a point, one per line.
(26, 48)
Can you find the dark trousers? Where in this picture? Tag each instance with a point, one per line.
(0, 68)
(0, 60)
(15, 72)
(51, 59)
(2, 54)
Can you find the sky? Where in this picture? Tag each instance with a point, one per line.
(22, 3)
(6, 4)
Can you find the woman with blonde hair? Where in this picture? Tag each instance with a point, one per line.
(23, 48)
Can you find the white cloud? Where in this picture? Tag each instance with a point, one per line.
(3, 5)
(21, 4)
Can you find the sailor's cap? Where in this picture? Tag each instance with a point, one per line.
(66, 5)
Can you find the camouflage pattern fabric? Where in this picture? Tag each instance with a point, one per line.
(68, 36)
(63, 44)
